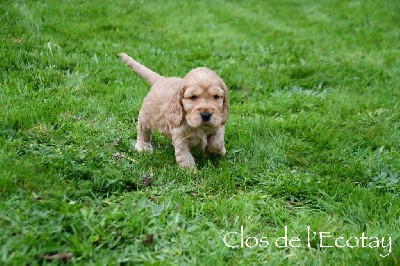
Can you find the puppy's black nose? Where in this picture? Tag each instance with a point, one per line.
(205, 116)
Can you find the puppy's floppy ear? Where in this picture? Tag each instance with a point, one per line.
(225, 107)
(174, 113)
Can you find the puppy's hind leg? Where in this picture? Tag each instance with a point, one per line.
(143, 142)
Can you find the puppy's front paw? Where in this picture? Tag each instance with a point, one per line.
(188, 165)
(222, 152)
(214, 150)
(143, 146)
(187, 162)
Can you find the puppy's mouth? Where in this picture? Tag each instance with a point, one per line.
(206, 124)
(204, 120)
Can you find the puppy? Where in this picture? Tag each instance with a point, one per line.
(190, 111)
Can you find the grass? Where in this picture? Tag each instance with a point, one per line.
(312, 140)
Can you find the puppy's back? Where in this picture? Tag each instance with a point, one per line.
(157, 101)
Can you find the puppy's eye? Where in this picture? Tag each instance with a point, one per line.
(194, 97)
(216, 97)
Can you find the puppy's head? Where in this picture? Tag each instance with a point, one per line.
(202, 100)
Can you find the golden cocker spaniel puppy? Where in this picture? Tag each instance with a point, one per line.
(190, 111)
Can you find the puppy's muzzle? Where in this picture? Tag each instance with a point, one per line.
(205, 116)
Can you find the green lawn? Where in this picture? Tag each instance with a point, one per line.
(312, 139)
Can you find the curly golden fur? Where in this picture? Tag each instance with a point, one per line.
(190, 111)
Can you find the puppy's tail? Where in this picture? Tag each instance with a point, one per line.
(143, 71)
